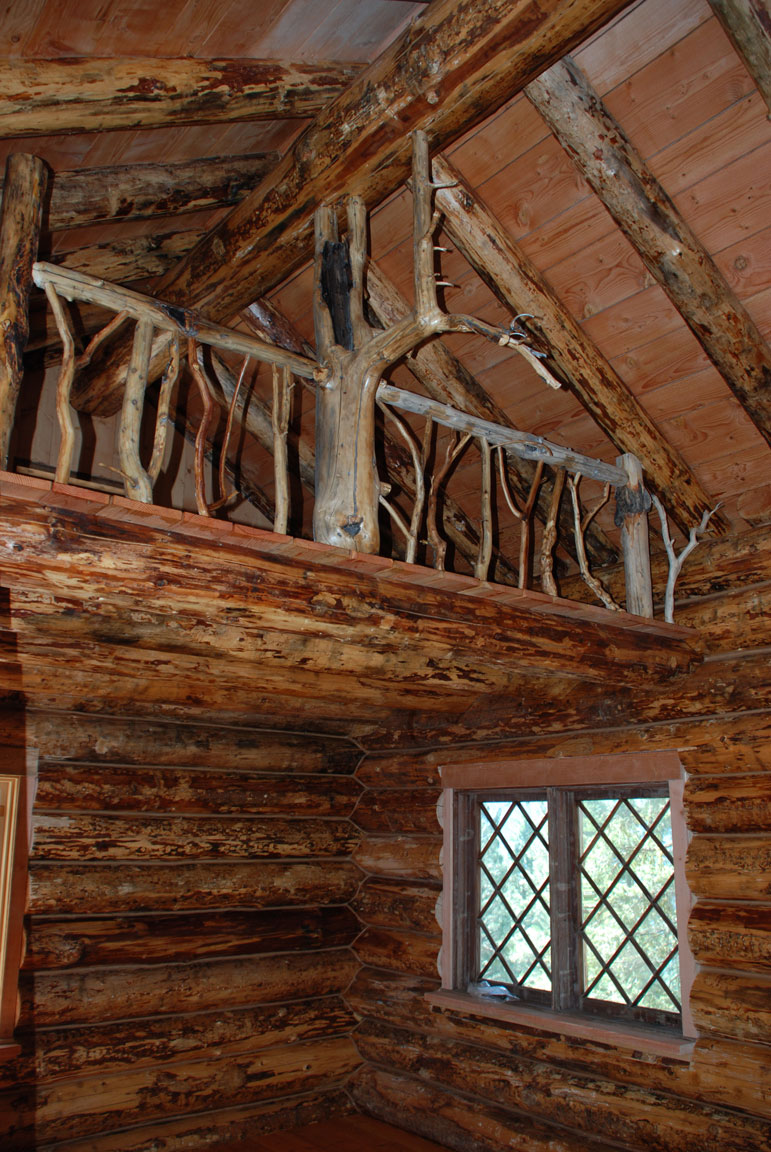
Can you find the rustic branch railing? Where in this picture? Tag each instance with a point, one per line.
(156, 320)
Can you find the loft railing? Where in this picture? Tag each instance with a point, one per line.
(169, 330)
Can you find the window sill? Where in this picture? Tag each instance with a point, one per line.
(8, 1050)
(646, 1041)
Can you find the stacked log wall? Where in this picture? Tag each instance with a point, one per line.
(188, 936)
(478, 1085)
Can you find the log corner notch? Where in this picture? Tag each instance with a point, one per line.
(24, 190)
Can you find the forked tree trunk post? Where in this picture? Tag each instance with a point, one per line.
(26, 180)
(632, 504)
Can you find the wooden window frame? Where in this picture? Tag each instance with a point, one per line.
(17, 791)
(461, 783)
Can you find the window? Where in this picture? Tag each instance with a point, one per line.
(563, 898)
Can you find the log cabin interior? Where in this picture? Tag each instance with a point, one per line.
(385, 411)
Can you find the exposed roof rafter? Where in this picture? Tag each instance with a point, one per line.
(454, 65)
(670, 251)
(519, 285)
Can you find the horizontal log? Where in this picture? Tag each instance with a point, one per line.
(733, 1004)
(120, 837)
(224, 1127)
(624, 1115)
(50, 1054)
(733, 620)
(47, 97)
(116, 889)
(192, 791)
(398, 810)
(124, 261)
(727, 935)
(138, 741)
(88, 196)
(454, 1120)
(58, 998)
(413, 857)
(398, 904)
(729, 867)
(740, 803)
(75, 943)
(84, 1106)
(399, 950)
(720, 1070)
(317, 605)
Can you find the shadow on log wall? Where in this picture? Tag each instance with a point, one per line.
(189, 936)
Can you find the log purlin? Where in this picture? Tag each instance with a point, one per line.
(448, 1073)
(189, 935)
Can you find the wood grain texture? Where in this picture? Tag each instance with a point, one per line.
(670, 251)
(24, 189)
(452, 67)
(45, 97)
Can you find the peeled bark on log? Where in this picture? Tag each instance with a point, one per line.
(398, 810)
(54, 1053)
(126, 887)
(720, 1071)
(81, 199)
(24, 190)
(732, 1004)
(454, 1120)
(74, 943)
(399, 950)
(622, 1114)
(122, 740)
(80, 1107)
(747, 25)
(78, 788)
(729, 804)
(121, 837)
(727, 935)
(670, 251)
(450, 69)
(412, 857)
(225, 1125)
(135, 258)
(59, 998)
(46, 97)
(729, 867)
(398, 904)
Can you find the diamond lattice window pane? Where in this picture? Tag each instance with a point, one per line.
(513, 918)
(628, 929)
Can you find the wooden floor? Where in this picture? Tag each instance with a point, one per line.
(346, 1134)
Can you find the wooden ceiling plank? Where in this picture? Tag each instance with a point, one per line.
(748, 26)
(454, 65)
(516, 281)
(670, 251)
(141, 191)
(92, 94)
